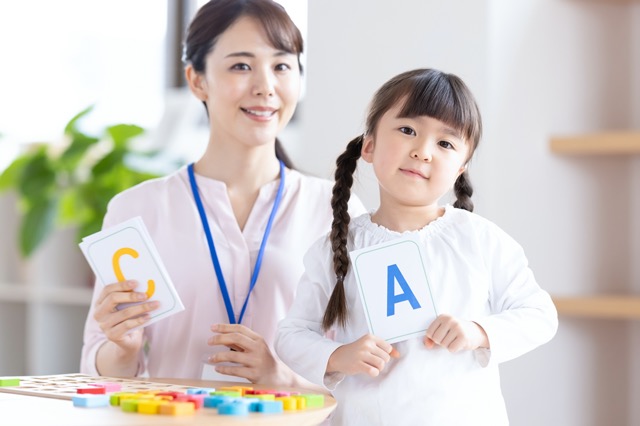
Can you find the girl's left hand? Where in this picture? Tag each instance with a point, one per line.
(455, 335)
(249, 350)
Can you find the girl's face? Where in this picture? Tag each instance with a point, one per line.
(250, 88)
(416, 160)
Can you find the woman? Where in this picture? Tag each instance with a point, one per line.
(232, 227)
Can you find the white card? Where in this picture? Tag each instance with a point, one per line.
(394, 289)
(126, 252)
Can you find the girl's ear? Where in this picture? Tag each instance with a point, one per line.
(367, 148)
(462, 169)
(196, 82)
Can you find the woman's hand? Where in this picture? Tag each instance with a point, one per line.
(255, 360)
(455, 335)
(116, 324)
(369, 354)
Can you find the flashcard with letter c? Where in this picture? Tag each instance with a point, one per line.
(126, 252)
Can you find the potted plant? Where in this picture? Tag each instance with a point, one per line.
(71, 184)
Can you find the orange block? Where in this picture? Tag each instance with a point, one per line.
(177, 408)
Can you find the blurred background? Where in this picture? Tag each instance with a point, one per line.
(566, 71)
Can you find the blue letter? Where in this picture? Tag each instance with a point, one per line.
(393, 273)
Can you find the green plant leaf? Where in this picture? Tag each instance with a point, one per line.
(72, 126)
(11, 175)
(122, 133)
(107, 163)
(76, 150)
(36, 225)
(37, 177)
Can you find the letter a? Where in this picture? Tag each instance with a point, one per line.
(393, 274)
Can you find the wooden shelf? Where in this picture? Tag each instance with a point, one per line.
(604, 306)
(610, 143)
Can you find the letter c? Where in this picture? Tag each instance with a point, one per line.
(151, 285)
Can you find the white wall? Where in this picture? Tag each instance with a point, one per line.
(538, 68)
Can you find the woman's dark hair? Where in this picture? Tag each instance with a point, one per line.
(215, 16)
(423, 92)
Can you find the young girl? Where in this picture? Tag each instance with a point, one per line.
(421, 131)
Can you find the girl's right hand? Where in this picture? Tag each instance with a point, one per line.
(369, 354)
(114, 323)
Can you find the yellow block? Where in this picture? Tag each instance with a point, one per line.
(151, 406)
(288, 403)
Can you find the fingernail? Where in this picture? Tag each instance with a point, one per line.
(214, 327)
(132, 284)
(141, 296)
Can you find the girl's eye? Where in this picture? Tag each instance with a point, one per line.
(282, 67)
(407, 131)
(241, 67)
(446, 144)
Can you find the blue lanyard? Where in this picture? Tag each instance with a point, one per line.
(212, 247)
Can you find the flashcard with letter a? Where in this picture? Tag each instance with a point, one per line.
(394, 289)
(126, 252)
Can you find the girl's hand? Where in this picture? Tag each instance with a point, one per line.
(115, 324)
(255, 360)
(369, 354)
(455, 335)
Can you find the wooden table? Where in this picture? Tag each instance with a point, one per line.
(23, 410)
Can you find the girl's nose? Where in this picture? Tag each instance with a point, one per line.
(422, 152)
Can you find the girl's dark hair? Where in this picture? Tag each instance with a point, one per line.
(215, 16)
(423, 92)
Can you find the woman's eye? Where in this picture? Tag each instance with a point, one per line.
(407, 131)
(241, 67)
(446, 144)
(282, 67)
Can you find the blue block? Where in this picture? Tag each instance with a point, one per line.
(200, 391)
(215, 400)
(90, 401)
(235, 408)
(269, 407)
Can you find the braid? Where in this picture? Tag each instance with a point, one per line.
(463, 191)
(345, 166)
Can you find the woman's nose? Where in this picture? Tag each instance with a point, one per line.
(264, 83)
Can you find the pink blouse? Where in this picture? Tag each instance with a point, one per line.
(177, 345)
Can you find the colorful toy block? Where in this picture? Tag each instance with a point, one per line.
(108, 386)
(90, 400)
(9, 382)
(200, 391)
(268, 407)
(214, 400)
(313, 400)
(234, 408)
(150, 406)
(92, 390)
(178, 409)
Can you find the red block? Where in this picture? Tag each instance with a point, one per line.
(96, 390)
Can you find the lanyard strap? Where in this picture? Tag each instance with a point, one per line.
(212, 247)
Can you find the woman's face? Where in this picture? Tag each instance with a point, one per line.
(251, 89)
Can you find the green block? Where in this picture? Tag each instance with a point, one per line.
(314, 400)
(226, 393)
(9, 382)
(129, 405)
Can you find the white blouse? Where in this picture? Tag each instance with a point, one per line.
(476, 272)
